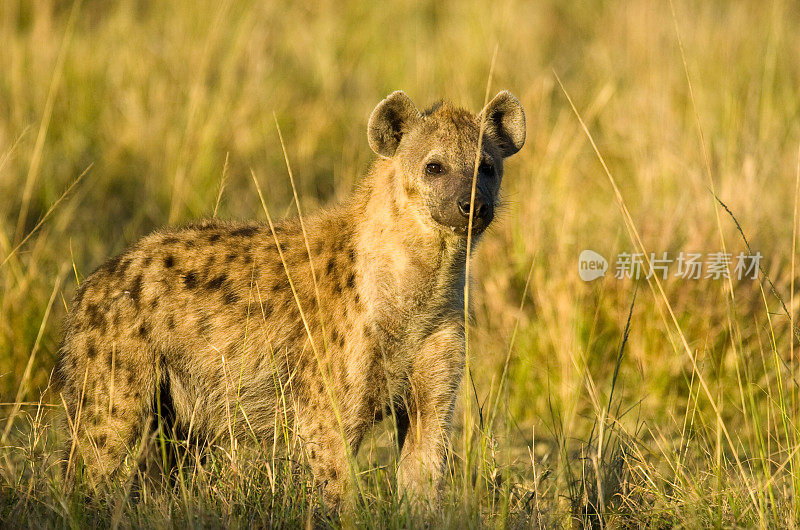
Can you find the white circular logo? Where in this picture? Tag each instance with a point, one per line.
(591, 265)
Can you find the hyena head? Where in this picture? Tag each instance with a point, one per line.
(434, 155)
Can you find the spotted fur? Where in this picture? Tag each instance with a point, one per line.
(242, 329)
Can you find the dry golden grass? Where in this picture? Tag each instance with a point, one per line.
(702, 427)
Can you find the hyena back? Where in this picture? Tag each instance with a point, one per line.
(323, 328)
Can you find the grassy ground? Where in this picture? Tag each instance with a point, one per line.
(612, 403)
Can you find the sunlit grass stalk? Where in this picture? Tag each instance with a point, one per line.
(468, 385)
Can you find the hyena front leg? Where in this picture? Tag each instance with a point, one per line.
(435, 379)
(326, 449)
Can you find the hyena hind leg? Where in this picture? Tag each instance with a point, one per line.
(109, 403)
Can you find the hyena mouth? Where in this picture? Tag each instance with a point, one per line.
(477, 229)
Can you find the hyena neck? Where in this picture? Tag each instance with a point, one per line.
(410, 267)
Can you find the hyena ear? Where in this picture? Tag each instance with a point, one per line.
(505, 122)
(389, 121)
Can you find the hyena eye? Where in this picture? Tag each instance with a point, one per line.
(433, 168)
(486, 168)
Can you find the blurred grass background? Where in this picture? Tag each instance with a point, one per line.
(157, 95)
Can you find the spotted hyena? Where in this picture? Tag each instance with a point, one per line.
(321, 328)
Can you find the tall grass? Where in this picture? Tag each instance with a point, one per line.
(654, 126)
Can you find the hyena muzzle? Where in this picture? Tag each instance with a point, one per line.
(320, 328)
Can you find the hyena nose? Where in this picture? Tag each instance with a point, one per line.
(481, 208)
